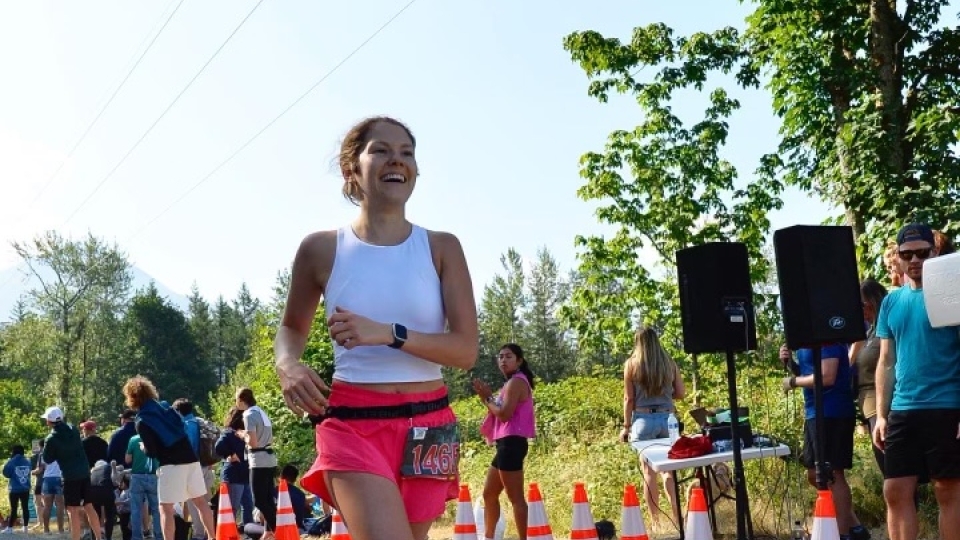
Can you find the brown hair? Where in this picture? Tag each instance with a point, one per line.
(234, 419)
(890, 257)
(353, 144)
(942, 243)
(246, 395)
(138, 390)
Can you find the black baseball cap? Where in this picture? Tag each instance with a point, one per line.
(915, 231)
(128, 414)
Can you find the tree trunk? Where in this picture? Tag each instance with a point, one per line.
(65, 361)
(886, 31)
(695, 380)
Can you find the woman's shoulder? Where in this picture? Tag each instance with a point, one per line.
(443, 241)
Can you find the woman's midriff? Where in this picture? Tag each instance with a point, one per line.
(419, 387)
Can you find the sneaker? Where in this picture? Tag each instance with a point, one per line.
(6, 530)
(26, 530)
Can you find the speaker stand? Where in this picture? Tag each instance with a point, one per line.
(824, 474)
(744, 523)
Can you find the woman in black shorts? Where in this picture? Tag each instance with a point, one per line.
(509, 423)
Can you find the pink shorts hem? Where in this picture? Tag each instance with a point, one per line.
(376, 446)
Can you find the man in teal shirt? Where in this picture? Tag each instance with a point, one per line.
(919, 429)
(143, 489)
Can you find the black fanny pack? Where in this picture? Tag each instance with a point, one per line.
(383, 412)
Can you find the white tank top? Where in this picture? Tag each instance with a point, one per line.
(389, 284)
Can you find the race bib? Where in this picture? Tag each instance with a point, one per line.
(432, 452)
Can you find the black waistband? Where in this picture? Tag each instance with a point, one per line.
(383, 412)
(266, 449)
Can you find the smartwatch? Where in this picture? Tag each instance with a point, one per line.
(399, 335)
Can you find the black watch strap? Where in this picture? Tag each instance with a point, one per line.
(399, 335)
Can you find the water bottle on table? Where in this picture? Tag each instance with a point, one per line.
(673, 428)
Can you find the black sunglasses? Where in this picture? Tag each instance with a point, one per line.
(908, 254)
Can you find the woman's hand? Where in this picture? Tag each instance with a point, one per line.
(482, 389)
(303, 390)
(625, 434)
(350, 330)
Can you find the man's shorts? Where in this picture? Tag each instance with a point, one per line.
(75, 491)
(838, 443)
(511, 451)
(376, 446)
(52, 485)
(180, 483)
(922, 441)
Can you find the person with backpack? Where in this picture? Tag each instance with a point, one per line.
(191, 424)
(164, 437)
(63, 446)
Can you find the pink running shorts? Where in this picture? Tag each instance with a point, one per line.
(376, 446)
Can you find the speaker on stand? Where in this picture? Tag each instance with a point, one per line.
(716, 304)
(820, 302)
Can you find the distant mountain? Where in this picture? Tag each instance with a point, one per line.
(18, 285)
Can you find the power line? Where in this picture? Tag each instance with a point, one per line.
(159, 118)
(264, 128)
(103, 109)
(256, 135)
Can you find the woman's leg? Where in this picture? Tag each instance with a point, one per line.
(513, 485)
(261, 482)
(669, 486)
(25, 507)
(13, 509)
(491, 501)
(45, 507)
(651, 492)
(371, 506)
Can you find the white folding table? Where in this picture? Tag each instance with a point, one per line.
(654, 453)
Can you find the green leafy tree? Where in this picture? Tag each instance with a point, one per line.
(229, 337)
(79, 281)
(163, 349)
(866, 91)
(202, 325)
(500, 321)
(544, 340)
(247, 307)
(664, 183)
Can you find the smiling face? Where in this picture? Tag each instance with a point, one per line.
(378, 163)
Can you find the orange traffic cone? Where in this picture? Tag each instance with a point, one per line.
(698, 523)
(825, 517)
(538, 528)
(583, 527)
(631, 519)
(286, 520)
(338, 529)
(226, 522)
(464, 528)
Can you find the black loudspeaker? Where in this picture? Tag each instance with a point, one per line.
(819, 285)
(716, 298)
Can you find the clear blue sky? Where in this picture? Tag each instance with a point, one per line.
(500, 112)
